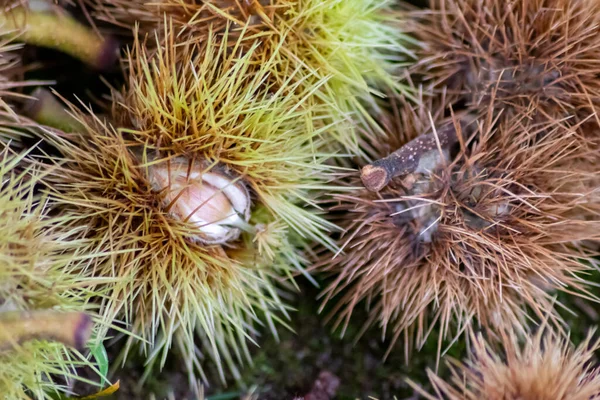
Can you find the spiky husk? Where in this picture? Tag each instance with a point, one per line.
(199, 17)
(538, 58)
(167, 287)
(356, 46)
(35, 273)
(545, 367)
(210, 104)
(485, 239)
(36, 266)
(164, 288)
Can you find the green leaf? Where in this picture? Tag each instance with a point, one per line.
(101, 357)
(103, 393)
(225, 396)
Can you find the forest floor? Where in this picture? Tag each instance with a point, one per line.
(288, 368)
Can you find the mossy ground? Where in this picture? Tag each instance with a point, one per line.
(288, 368)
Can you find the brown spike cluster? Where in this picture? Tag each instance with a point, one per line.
(199, 19)
(197, 15)
(493, 228)
(537, 57)
(545, 367)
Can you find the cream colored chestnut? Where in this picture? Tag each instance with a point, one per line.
(216, 203)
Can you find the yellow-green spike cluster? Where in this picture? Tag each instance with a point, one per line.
(35, 275)
(194, 117)
(42, 325)
(207, 103)
(356, 47)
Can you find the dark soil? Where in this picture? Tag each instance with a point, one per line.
(291, 367)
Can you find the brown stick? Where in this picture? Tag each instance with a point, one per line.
(59, 32)
(71, 328)
(44, 108)
(377, 175)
